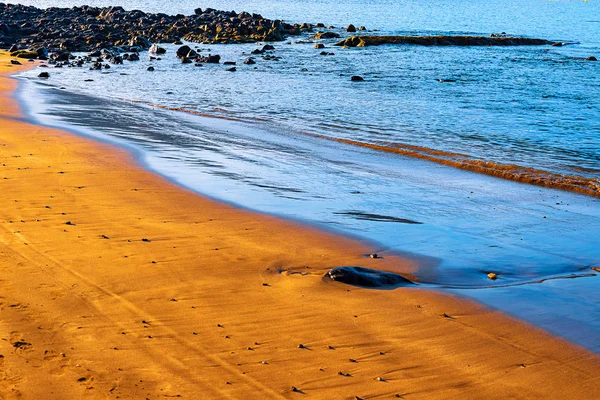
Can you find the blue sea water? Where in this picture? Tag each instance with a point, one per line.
(532, 106)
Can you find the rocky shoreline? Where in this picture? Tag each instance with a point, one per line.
(112, 35)
(84, 29)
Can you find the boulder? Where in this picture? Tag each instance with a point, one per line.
(351, 28)
(210, 59)
(249, 61)
(183, 51)
(44, 75)
(326, 35)
(156, 49)
(140, 41)
(356, 78)
(60, 56)
(186, 52)
(591, 58)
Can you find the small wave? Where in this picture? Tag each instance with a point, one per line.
(513, 172)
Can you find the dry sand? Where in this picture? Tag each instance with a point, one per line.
(89, 309)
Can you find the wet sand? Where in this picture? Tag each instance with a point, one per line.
(118, 284)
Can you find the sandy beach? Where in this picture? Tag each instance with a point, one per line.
(119, 284)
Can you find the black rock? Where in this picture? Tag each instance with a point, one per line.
(44, 75)
(268, 47)
(210, 59)
(156, 49)
(15, 62)
(326, 35)
(140, 41)
(249, 61)
(61, 56)
(591, 58)
(356, 78)
(229, 63)
(13, 48)
(150, 68)
(232, 69)
(319, 46)
(134, 57)
(366, 277)
(351, 28)
(183, 51)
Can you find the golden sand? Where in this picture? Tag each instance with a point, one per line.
(115, 283)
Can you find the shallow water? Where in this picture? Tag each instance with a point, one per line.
(533, 106)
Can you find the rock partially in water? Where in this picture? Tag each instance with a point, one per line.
(356, 78)
(326, 35)
(156, 49)
(366, 277)
(351, 28)
(362, 41)
(591, 58)
(210, 59)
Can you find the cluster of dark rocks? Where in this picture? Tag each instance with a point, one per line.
(88, 28)
(493, 40)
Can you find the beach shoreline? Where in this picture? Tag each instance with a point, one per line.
(119, 283)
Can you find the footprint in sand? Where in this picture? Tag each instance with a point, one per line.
(19, 343)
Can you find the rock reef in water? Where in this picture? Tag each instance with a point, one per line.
(366, 277)
(363, 41)
(87, 28)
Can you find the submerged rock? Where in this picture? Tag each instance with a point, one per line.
(362, 41)
(366, 277)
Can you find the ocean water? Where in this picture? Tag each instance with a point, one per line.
(250, 138)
